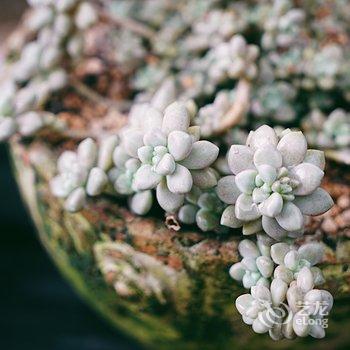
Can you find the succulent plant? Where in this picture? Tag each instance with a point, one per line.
(227, 61)
(325, 66)
(172, 157)
(83, 173)
(256, 266)
(259, 311)
(122, 177)
(173, 57)
(209, 116)
(292, 261)
(283, 25)
(275, 183)
(328, 132)
(234, 59)
(214, 28)
(267, 260)
(266, 310)
(202, 208)
(37, 74)
(275, 101)
(283, 300)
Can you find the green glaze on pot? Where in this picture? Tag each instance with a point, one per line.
(165, 289)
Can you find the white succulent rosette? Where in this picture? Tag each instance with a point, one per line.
(311, 308)
(282, 278)
(332, 131)
(262, 309)
(256, 266)
(275, 184)
(286, 312)
(57, 27)
(212, 29)
(83, 173)
(275, 101)
(290, 261)
(234, 59)
(172, 157)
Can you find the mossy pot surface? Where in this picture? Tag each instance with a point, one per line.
(165, 289)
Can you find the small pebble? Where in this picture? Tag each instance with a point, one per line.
(344, 201)
(329, 226)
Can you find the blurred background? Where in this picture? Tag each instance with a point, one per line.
(38, 309)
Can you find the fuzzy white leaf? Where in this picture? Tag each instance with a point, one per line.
(246, 210)
(309, 176)
(141, 202)
(268, 155)
(202, 155)
(145, 178)
(176, 117)
(293, 147)
(263, 136)
(180, 181)
(290, 218)
(205, 178)
(169, 201)
(240, 158)
(316, 158)
(315, 203)
(229, 218)
(179, 144)
(227, 189)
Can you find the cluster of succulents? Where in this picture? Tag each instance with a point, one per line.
(230, 60)
(57, 27)
(83, 173)
(165, 155)
(206, 46)
(275, 182)
(292, 59)
(275, 100)
(283, 26)
(214, 28)
(283, 300)
(332, 131)
(274, 186)
(184, 62)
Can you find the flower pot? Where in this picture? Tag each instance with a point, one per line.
(165, 289)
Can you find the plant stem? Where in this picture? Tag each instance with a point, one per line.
(128, 23)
